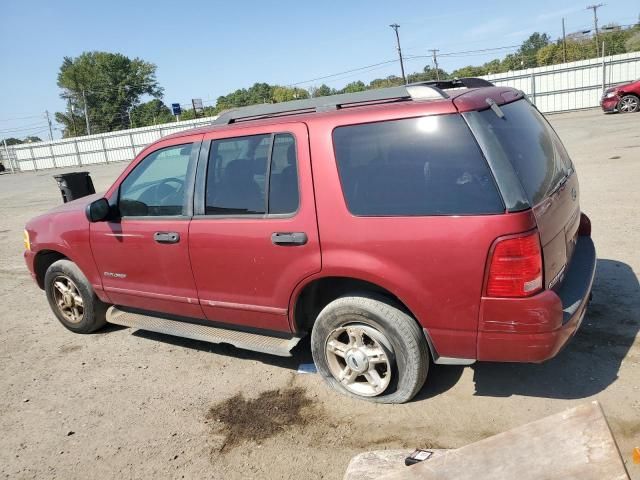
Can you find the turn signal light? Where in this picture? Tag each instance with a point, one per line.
(27, 242)
(516, 267)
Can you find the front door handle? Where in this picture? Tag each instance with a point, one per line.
(166, 237)
(289, 238)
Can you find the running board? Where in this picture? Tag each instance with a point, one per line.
(245, 340)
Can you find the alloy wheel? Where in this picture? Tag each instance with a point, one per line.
(629, 104)
(68, 299)
(359, 357)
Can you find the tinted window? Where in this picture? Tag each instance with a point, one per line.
(156, 186)
(535, 151)
(236, 176)
(283, 182)
(418, 166)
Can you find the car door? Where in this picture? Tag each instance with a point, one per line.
(143, 253)
(254, 235)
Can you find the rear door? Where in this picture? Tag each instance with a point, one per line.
(547, 176)
(254, 235)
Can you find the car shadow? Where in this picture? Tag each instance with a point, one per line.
(591, 360)
(301, 354)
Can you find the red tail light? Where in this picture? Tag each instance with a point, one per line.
(516, 267)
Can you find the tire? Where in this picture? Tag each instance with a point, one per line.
(629, 104)
(394, 343)
(69, 292)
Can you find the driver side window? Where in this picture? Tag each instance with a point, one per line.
(156, 186)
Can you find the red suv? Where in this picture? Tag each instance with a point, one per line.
(430, 220)
(622, 98)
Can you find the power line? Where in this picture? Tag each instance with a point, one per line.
(340, 73)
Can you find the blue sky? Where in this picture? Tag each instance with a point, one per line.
(204, 49)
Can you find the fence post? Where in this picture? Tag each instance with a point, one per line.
(53, 156)
(33, 159)
(75, 145)
(533, 88)
(133, 147)
(104, 149)
(9, 159)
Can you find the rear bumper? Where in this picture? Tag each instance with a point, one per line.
(534, 329)
(609, 104)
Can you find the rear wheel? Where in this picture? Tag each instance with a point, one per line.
(629, 104)
(72, 299)
(369, 349)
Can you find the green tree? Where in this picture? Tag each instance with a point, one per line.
(428, 73)
(111, 83)
(469, 71)
(529, 49)
(390, 81)
(357, 86)
(322, 91)
(152, 112)
(632, 43)
(16, 141)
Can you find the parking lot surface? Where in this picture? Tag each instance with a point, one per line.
(142, 405)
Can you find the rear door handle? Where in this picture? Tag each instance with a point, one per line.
(289, 238)
(166, 237)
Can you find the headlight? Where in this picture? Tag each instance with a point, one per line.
(609, 94)
(27, 242)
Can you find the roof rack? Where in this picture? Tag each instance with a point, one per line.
(413, 91)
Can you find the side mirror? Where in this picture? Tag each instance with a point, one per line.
(98, 210)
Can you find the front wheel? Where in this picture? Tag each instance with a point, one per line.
(369, 349)
(629, 104)
(72, 299)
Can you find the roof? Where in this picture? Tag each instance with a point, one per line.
(314, 108)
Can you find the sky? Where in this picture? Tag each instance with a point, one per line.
(204, 49)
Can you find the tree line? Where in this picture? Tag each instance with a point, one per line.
(110, 86)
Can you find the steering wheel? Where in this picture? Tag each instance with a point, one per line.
(164, 190)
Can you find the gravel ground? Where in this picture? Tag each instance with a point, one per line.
(141, 405)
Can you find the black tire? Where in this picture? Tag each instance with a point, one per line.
(408, 350)
(93, 310)
(629, 104)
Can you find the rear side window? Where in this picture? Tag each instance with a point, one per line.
(534, 149)
(418, 166)
(252, 175)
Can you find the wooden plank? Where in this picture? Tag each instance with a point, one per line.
(370, 465)
(576, 444)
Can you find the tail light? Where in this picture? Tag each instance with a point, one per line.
(515, 269)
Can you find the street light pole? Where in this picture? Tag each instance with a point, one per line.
(395, 27)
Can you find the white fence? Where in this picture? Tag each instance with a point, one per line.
(571, 86)
(117, 146)
(557, 88)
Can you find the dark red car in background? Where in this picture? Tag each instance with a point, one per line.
(623, 98)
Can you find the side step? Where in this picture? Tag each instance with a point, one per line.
(245, 340)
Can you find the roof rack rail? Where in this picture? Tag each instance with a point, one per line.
(414, 91)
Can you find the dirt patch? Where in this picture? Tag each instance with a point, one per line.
(255, 420)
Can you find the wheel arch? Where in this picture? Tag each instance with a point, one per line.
(313, 296)
(42, 261)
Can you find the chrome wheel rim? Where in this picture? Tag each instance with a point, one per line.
(68, 299)
(358, 357)
(629, 104)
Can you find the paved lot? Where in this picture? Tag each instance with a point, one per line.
(115, 404)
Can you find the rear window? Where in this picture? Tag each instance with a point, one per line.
(534, 149)
(418, 166)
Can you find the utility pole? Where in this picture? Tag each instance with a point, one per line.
(435, 62)
(86, 112)
(395, 27)
(46, 114)
(595, 24)
(73, 119)
(564, 43)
